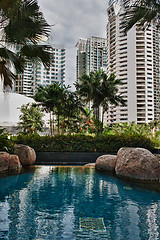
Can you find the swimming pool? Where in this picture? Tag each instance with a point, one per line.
(76, 203)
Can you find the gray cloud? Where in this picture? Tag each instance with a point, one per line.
(74, 19)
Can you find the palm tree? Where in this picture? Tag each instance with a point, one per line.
(45, 96)
(24, 26)
(53, 98)
(72, 109)
(142, 12)
(100, 89)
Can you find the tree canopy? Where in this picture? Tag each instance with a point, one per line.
(23, 27)
(142, 12)
(61, 102)
(100, 89)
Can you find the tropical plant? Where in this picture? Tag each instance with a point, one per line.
(6, 144)
(132, 128)
(30, 119)
(99, 89)
(45, 97)
(22, 26)
(142, 12)
(60, 101)
(72, 110)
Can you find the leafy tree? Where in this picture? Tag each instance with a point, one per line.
(45, 96)
(142, 12)
(99, 89)
(72, 109)
(30, 119)
(22, 25)
(62, 102)
(53, 98)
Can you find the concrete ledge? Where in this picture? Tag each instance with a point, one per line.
(66, 158)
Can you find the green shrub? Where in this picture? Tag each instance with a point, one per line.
(83, 143)
(6, 144)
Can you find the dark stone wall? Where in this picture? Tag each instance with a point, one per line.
(66, 158)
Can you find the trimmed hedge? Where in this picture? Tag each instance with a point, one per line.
(82, 143)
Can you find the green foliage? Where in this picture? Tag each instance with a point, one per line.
(131, 128)
(23, 26)
(100, 89)
(150, 131)
(62, 103)
(82, 143)
(30, 119)
(142, 12)
(5, 143)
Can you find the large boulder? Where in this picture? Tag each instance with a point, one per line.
(106, 163)
(26, 154)
(90, 165)
(14, 163)
(9, 162)
(4, 161)
(137, 163)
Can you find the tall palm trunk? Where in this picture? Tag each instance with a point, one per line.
(103, 117)
(58, 123)
(50, 122)
(53, 123)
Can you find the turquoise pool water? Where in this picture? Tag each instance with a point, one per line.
(76, 203)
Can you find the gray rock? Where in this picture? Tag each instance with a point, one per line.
(106, 163)
(26, 154)
(137, 163)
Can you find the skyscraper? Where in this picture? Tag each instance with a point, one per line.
(36, 74)
(133, 58)
(91, 55)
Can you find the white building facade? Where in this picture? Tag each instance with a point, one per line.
(36, 74)
(133, 58)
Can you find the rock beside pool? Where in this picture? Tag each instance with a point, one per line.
(137, 163)
(106, 163)
(92, 165)
(14, 162)
(158, 156)
(9, 162)
(26, 154)
(4, 161)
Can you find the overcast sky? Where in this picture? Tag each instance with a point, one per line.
(74, 19)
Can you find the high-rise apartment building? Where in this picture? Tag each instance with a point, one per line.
(91, 55)
(36, 74)
(133, 58)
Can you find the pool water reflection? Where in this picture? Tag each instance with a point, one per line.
(50, 203)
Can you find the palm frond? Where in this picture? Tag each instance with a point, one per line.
(16, 60)
(6, 75)
(142, 12)
(26, 23)
(37, 52)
